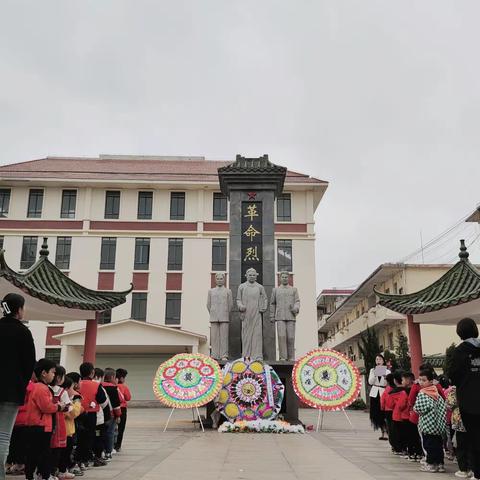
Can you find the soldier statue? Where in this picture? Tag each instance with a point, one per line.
(284, 307)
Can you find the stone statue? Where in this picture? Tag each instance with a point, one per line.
(219, 305)
(284, 307)
(252, 301)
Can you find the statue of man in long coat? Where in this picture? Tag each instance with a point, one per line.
(219, 305)
(252, 301)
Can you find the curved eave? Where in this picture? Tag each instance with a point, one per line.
(49, 284)
(461, 284)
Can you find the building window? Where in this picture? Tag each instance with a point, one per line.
(400, 291)
(145, 201)
(107, 254)
(219, 254)
(1, 243)
(29, 252)
(112, 204)
(35, 203)
(173, 309)
(53, 354)
(177, 206)
(62, 255)
(284, 255)
(219, 206)
(175, 253)
(142, 253)
(4, 201)
(69, 204)
(284, 207)
(105, 317)
(139, 306)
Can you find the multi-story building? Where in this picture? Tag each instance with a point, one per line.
(328, 301)
(342, 329)
(159, 223)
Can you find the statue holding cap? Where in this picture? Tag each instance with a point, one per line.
(219, 305)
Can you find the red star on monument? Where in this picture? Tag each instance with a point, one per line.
(252, 195)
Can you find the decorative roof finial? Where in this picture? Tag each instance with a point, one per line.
(463, 251)
(44, 250)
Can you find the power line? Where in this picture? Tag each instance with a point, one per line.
(435, 239)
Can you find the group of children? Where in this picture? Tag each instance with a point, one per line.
(423, 421)
(69, 422)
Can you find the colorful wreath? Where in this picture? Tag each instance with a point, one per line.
(187, 380)
(326, 379)
(251, 390)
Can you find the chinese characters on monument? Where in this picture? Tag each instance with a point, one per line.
(252, 245)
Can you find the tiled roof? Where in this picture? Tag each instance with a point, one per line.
(461, 284)
(106, 167)
(47, 283)
(253, 165)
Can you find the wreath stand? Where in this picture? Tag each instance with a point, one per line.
(321, 414)
(194, 409)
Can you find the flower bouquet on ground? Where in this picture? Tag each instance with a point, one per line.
(260, 426)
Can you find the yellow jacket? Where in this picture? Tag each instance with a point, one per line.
(70, 417)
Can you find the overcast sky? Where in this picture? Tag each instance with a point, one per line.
(380, 98)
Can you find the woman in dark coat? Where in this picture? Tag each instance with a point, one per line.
(17, 358)
(465, 375)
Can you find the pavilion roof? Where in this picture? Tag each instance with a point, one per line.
(460, 284)
(46, 282)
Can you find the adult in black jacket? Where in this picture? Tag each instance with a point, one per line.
(17, 357)
(465, 375)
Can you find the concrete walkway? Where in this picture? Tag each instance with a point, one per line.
(184, 452)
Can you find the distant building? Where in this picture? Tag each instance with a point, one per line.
(327, 302)
(160, 223)
(342, 329)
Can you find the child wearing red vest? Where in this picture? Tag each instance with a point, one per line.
(111, 387)
(396, 398)
(59, 434)
(386, 405)
(412, 437)
(40, 412)
(92, 398)
(400, 413)
(125, 397)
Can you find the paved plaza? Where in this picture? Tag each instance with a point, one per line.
(184, 452)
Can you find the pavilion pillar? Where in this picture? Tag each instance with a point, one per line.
(415, 341)
(90, 346)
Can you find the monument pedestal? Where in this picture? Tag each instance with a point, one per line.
(290, 403)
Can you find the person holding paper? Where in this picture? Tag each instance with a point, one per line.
(378, 383)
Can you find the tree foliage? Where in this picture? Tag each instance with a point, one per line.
(369, 347)
(402, 351)
(447, 363)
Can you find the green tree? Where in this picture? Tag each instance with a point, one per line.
(390, 358)
(402, 351)
(447, 362)
(369, 348)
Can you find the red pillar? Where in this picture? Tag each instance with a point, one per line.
(415, 341)
(90, 347)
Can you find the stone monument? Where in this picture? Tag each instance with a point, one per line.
(252, 302)
(219, 305)
(284, 308)
(252, 184)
